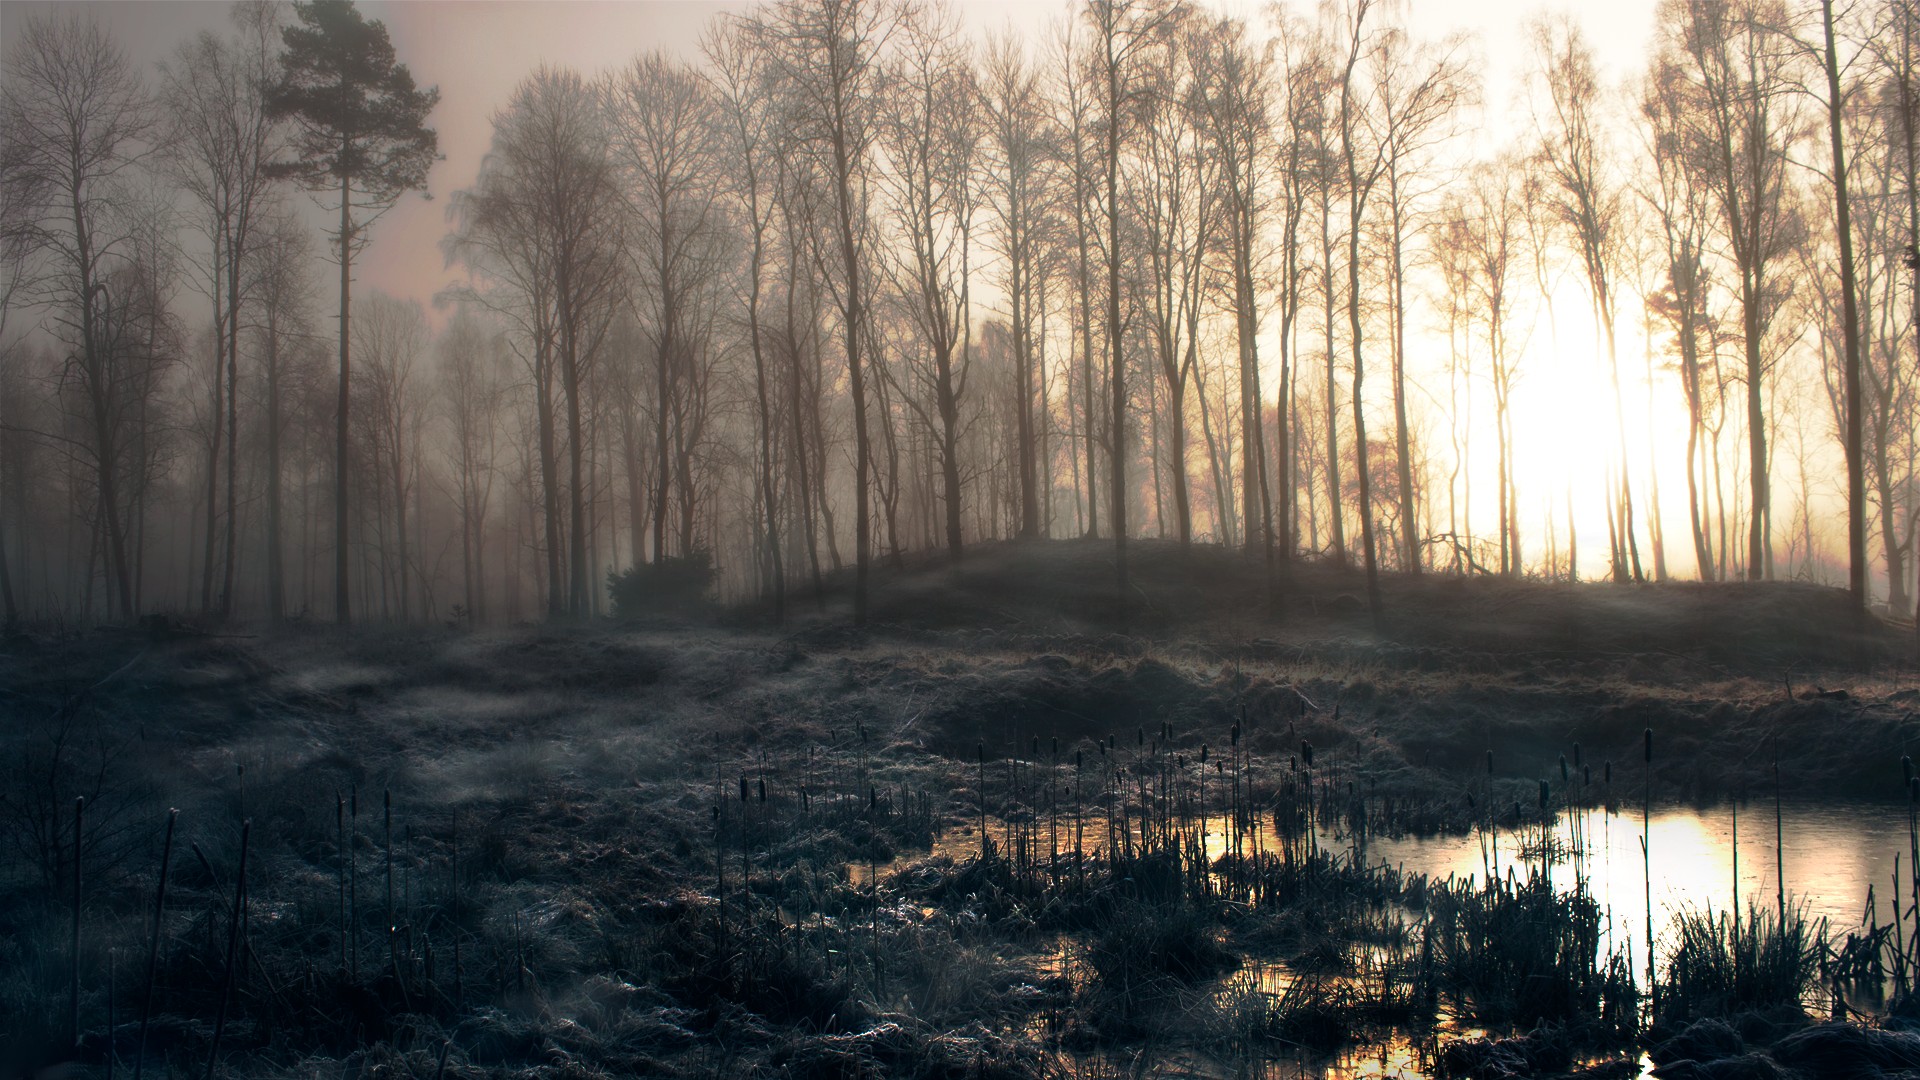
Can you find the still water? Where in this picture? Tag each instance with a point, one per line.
(1831, 854)
(1832, 857)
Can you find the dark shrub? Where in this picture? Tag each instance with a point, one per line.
(675, 585)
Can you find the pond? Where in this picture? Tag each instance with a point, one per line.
(1835, 855)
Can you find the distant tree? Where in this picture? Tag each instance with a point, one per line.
(1022, 153)
(664, 137)
(742, 89)
(390, 338)
(1119, 60)
(1588, 206)
(219, 144)
(359, 130)
(825, 55)
(1737, 127)
(932, 140)
(276, 271)
(1421, 90)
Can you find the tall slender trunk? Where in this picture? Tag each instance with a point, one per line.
(549, 475)
(1850, 324)
(1336, 513)
(1402, 438)
(342, 607)
(232, 348)
(276, 567)
(1116, 375)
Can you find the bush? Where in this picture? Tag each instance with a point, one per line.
(675, 585)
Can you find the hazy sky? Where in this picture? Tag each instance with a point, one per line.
(476, 50)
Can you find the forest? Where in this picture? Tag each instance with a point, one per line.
(859, 281)
(892, 538)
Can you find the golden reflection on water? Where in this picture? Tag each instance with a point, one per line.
(1834, 853)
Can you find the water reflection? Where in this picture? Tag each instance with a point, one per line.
(1833, 855)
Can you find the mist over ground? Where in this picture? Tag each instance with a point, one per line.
(893, 540)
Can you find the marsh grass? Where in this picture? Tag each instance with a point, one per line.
(627, 852)
(1720, 964)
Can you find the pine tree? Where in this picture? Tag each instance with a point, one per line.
(359, 131)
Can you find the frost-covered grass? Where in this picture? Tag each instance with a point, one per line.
(579, 887)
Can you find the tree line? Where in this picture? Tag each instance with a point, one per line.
(854, 281)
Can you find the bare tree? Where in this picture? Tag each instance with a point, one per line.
(1020, 184)
(541, 226)
(1737, 128)
(472, 385)
(1588, 205)
(932, 141)
(1120, 59)
(1420, 91)
(826, 55)
(74, 114)
(219, 144)
(742, 87)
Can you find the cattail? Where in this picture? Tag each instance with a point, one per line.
(1649, 737)
(1608, 775)
(1306, 753)
(743, 787)
(1056, 747)
(763, 791)
(1203, 753)
(1543, 795)
(153, 947)
(1078, 763)
(233, 948)
(79, 824)
(1236, 736)
(1141, 737)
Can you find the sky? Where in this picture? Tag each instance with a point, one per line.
(475, 51)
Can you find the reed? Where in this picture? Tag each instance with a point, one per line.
(73, 967)
(233, 949)
(1722, 965)
(1646, 862)
(153, 944)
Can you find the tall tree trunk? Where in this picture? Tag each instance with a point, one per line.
(232, 348)
(1402, 438)
(549, 477)
(1850, 326)
(276, 567)
(1336, 516)
(342, 607)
